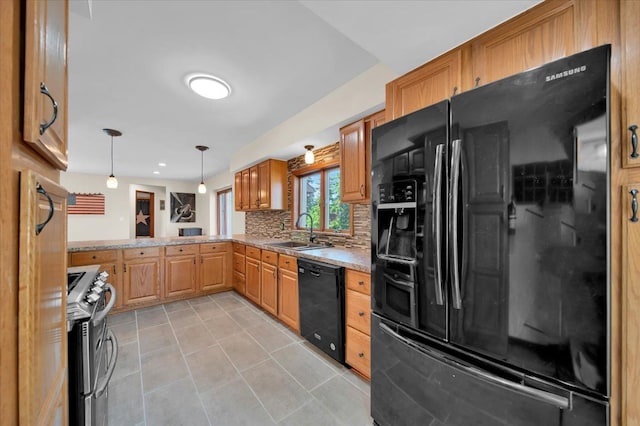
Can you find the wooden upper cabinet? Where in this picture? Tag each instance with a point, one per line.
(237, 191)
(355, 164)
(245, 195)
(263, 186)
(552, 30)
(630, 52)
(42, 302)
(353, 152)
(254, 199)
(45, 80)
(432, 82)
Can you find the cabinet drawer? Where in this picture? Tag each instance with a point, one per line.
(253, 252)
(358, 353)
(181, 250)
(238, 262)
(137, 253)
(213, 248)
(358, 311)
(270, 257)
(359, 281)
(288, 263)
(238, 248)
(93, 257)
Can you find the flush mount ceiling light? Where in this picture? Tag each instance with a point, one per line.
(202, 189)
(112, 182)
(208, 86)
(309, 158)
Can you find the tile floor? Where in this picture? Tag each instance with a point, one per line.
(218, 360)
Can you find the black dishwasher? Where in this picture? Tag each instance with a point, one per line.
(321, 296)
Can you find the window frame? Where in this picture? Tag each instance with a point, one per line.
(229, 207)
(296, 175)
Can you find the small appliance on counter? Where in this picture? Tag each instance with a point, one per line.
(92, 346)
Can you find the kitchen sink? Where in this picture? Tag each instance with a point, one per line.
(296, 245)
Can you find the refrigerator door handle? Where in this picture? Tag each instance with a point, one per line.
(558, 401)
(436, 223)
(453, 222)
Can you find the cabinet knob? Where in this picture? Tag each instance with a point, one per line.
(361, 354)
(360, 282)
(361, 313)
(180, 249)
(141, 253)
(286, 262)
(93, 257)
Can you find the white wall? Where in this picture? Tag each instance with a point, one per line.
(118, 222)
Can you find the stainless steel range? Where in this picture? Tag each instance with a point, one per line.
(92, 347)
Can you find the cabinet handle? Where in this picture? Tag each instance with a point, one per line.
(114, 269)
(40, 226)
(634, 205)
(125, 267)
(45, 91)
(455, 90)
(361, 354)
(360, 313)
(286, 261)
(362, 189)
(194, 261)
(477, 81)
(274, 273)
(634, 140)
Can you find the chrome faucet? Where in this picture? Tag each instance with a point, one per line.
(312, 237)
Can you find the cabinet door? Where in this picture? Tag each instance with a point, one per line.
(45, 83)
(237, 191)
(630, 306)
(239, 283)
(630, 15)
(288, 309)
(141, 280)
(245, 195)
(213, 272)
(254, 182)
(252, 283)
(353, 181)
(535, 38)
(42, 302)
(269, 292)
(424, 86)
(180, 275)
(264, 185)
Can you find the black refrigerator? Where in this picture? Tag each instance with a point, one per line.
(490, 254)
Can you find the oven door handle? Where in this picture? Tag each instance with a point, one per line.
(102, 385)
(112, 301)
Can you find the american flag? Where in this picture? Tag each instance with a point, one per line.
(85, 204)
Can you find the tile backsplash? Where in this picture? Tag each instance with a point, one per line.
(267, 224)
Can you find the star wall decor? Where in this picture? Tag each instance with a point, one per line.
(141, 218)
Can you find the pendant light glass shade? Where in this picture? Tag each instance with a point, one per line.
(309, 158)
(112, 182)
(202, 189)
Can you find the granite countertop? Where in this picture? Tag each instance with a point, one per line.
(357, 259)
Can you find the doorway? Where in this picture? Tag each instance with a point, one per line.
(144, 214)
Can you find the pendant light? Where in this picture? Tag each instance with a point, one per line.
(202, 189)
(112, 182)
(309, 158)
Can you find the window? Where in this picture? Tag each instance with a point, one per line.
(318, 194)
(225, 208)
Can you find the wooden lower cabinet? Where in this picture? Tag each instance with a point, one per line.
(215, 268)
(239, 283)
(180, 274)
(358, 321)
(239, 266)
(142, 276)
(269, 291)
(110, 261)
(288, 304)
(252, 283)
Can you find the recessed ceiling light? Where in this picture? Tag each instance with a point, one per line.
(208, 86)
(162, 164)
(155, 172)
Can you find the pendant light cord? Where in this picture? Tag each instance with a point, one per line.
(111, 155)
(201, 166)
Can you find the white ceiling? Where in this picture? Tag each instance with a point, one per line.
(128, 59)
